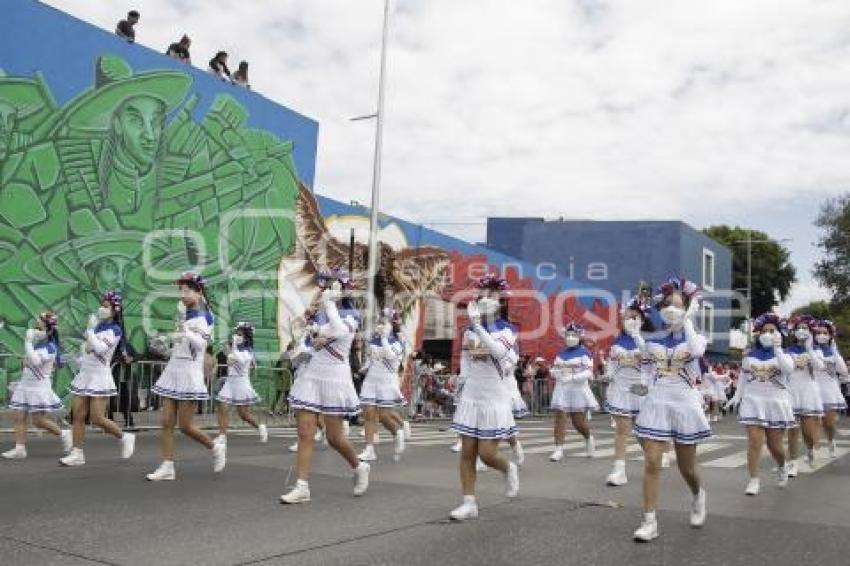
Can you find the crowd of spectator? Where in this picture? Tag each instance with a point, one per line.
(180, 50)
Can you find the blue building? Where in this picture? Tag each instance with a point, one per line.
(615, 256)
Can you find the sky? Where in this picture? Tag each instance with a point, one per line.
(722, 112)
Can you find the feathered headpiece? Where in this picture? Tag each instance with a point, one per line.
(246, 329)
(492, 282)
(674, 285)
(801, 320)
(639, 305)
(327, 276)
(115, 299)
(50, 320)
(573, 326)
(827, 324)
(193, 280)
(767, 318)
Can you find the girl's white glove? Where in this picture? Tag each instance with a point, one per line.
(473, 313)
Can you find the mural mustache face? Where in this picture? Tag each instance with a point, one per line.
(140, 122)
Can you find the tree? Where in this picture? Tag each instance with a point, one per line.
(772, 272)
(837, 313)
(833, 271)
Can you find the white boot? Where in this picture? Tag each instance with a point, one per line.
(164, 472)
(408, 434)
(781, 476)
(456, 446)
(319, 436)
(753, 486)
(557, 455)
(480, 466)
(399, 445)
(665, 459)
(219, 457)
(648, 529)
(618, 474)
(698, 509)
(298, 494)
(368, 454)
(589, 446)
(467, 510)
(361, 479)
(294, 447)
(792, 469)
(511, 481)
(67, 438)
(220, 439)
(74, 458)
(831, 447)
(810, 458)
(19, 452)
(128, 445)
(519, 453)
(263, 430)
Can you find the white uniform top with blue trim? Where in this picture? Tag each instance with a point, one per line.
(39, 361)
(763, 366)
(239, 362)
(490, 354)
(385, 356)
(625, 359)
(573, 367)
(338, 327)
(806, 362)
(191, 344)
(100, 344)
(674, 358)
(834, 365)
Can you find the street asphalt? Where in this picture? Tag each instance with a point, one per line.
(106, 513)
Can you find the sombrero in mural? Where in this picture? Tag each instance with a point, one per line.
(29, 97)
(115, 83)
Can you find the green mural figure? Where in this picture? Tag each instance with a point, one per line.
(123, 188)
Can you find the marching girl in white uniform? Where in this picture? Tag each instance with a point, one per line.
(573, 370)
(765, 402)
(624, 374)
(672, 409)
(34, 394)
(93, 385)
(325, 386)
(805, 393)
(380, 394)
(237, 389)
(181, 384)
(484, 415)
(828, 378)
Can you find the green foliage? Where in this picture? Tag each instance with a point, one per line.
(833, 271)
(837, 313)
(772, 272)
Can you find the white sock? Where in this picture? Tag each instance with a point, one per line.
(649, 517)
(469, 499)
(168, 462)
(20, 446)
(301, 483)
(361, 466)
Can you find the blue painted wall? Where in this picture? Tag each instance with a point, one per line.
(32, 39)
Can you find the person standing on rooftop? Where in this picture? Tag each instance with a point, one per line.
(125, 27)
(180, 50)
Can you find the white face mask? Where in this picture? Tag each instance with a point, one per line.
(766, 339)
(39, 335)
(238, 340)
(104, 313)
(181, 307)
(801, 333)
(572, 340)
(631, 325)
(672, 316)
(822, 338)
(488, 306)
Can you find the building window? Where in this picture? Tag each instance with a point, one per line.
(707, 269)
(707, 321)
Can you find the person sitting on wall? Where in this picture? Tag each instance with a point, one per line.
(218, 66)
(180, 50)
(240, 77)
(125, 27)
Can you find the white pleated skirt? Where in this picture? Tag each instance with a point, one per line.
(93, 382)
(183, 380)
(766, 405)
(381, 390)
(571, 399)
(326, 389)
(237, 390)
(672, 411)
(805, 396)
(485, 410)
(34, 395)
(830, 394)
(622, 402)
